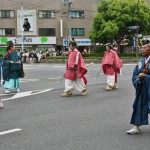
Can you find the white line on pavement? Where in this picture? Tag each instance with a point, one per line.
(58, 66)
(54, 78)
(25, 94)
(31, 68)
(129, 64)
(7, 94)
(29, 79)
(10, 131)
(87, 75)
(26, 80)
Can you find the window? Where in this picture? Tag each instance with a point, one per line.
(7, 14)
(47, 32)
(7, 32)
(77, 31)
(46, 14)
(77, 14)
(65, 1)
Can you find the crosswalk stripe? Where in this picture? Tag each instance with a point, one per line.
(10, 131)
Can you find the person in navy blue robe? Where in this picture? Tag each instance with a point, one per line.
(141, 83)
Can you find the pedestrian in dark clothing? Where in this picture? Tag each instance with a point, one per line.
(141, 83)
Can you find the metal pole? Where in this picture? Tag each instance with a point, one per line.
(69, 22)
(22, 27)
(137, 43)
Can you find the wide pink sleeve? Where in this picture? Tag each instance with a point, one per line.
(82, 70)
(102, 65)
(118, 61)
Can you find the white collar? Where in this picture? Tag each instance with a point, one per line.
(146, 60)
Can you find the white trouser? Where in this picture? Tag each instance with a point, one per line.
(111, 80)
(78, 84)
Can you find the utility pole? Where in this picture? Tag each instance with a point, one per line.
(22, 27)
(137, 30)
(69, 16)
(68, 38)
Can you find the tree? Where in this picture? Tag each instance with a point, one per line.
(115, 16)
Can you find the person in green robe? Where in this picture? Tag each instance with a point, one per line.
(11, 69)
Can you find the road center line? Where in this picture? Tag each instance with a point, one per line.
(10, 131)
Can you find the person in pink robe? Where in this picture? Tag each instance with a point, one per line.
(111, 64)
(75, 71)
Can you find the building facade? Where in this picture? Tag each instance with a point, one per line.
(46, 24)
(148, 1)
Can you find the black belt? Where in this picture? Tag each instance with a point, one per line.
(70, 68)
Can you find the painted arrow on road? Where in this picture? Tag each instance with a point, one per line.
(27, 93)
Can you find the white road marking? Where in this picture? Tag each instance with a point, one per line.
(31, 68)
(58, 66)
(129, 64)
(22, 94)
(25, 94)
(54, 78)
(7, 94)
(28, 80)
(87, 75)
(10, 131)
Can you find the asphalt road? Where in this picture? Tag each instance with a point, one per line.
(38, 118)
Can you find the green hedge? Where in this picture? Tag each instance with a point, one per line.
(57, 57)
(129, 55)
(99, 49)
(97, 56)
(102, 54)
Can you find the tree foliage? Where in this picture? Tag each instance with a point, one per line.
(114, 16)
